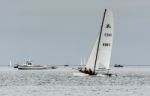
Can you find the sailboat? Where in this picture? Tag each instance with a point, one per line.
(10, 64)
(101, 52)
(82, 63)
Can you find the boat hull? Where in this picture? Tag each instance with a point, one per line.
(31, 68)
(99, 75)
(35, 67)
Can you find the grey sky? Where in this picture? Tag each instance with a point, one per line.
(61, 31)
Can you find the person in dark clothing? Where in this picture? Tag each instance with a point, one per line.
(90, 71)
(85, 70)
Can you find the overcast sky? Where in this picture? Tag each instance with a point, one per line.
(61, 31)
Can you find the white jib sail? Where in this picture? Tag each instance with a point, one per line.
(91, 60)
(105, 44)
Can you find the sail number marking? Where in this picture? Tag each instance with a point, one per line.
(107, 34)
(106, 44)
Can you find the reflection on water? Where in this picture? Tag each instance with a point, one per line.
(133, 81)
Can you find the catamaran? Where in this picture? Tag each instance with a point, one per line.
(101, 52)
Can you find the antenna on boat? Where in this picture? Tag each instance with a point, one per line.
(99, 40)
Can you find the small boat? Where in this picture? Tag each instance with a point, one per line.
(16, 65)
(66, 65)
(118, 65)
(29, 66)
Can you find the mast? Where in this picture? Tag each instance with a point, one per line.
(99, 40)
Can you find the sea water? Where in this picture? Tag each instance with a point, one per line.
(127, 81)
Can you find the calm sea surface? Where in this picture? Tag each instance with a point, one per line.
(130, 81)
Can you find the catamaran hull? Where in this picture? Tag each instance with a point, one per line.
(99, 75)
(80, 74)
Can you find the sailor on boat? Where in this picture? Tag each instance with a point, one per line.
(87, 71)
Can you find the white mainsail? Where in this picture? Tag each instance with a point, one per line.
(101, 52)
